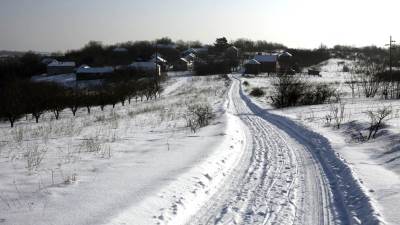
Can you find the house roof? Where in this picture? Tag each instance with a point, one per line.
(266, 58)
(185, 60)
(88, 69)
(233, 48)
(144, 65)
(252, 62)
(195, 50)
(158, 54)
(47, 60)
(285, 54)
(120, 49)
(190, 56)
(56, 63)
(159, 59)
(171, 46)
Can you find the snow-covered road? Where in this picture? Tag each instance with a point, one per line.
(288, 175)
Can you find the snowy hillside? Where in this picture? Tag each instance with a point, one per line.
(252, 164)
(137, 163)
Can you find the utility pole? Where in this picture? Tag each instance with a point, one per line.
(391, 43)
(156, 59)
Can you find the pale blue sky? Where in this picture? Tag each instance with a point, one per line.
(51, 25)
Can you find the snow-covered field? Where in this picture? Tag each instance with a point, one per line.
(136, 164)
(253, 164)
(376, 163)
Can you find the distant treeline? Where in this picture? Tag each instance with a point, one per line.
(21, 67)
(23, 97)
(97, 54)
(247, 45)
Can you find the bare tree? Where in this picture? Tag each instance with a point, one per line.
(352, 84)
(367, 71)
(376, 120)
(337, 114)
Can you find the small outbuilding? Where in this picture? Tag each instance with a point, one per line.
(57, 67)
(252, 67)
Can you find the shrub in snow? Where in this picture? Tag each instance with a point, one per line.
(317, 94)
(198, 115)
(292, 91)
(34, 157)
(288, 91)
(92, 145)
(336, 114)
(376, 119)
(257, 92)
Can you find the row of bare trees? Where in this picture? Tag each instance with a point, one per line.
(19, 98)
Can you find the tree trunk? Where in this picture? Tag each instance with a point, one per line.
(12, 120)
(37, 116)
(74, 110)
(56, 114)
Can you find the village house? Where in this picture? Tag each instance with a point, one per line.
(232, 52)
(286, 63)
(57, 67)
(181, 64)
(268, 63)
(160, 61)
(252, 67)
(190, 57)
(93, 73)
(195, 51)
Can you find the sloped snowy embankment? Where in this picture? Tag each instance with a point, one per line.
(136, 164)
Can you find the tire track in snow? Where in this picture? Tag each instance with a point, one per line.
(281, 183)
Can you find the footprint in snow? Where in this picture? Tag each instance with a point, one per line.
(208, 176)
(201, 184)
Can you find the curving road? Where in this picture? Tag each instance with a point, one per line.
(278, 182)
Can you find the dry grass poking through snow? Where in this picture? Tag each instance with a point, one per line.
(57, 153)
